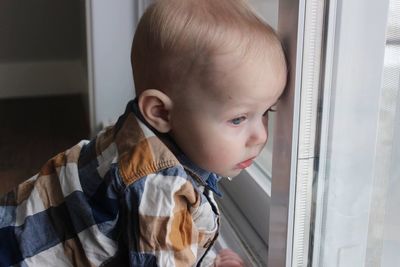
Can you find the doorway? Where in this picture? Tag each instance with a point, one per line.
(44, 105)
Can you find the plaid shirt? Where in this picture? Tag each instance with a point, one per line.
(127, 198)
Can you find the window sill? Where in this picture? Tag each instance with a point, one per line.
(237, 234)
(245, 215)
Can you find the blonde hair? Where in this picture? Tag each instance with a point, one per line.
(176, 39)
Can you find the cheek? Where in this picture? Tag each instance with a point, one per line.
(219, 152)
(211, 147)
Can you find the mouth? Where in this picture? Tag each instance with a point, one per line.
(245, 164)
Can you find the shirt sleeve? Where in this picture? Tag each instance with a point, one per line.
(163, 230)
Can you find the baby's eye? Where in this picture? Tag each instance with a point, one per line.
(238, 120)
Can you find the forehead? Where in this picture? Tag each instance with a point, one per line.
(250, 77)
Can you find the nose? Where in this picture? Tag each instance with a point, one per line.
(258, 134)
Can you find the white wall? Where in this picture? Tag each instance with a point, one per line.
(111, 29)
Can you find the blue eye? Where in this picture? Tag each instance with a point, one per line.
(238, 120)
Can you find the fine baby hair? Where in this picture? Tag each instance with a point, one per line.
(176, 40)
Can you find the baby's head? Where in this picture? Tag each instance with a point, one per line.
(207, 72)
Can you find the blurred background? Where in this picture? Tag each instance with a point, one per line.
(64, 74)
(44, 105)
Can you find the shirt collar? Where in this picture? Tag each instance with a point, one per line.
(207, 178)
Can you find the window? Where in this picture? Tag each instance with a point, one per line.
(340, 198)
(358, 222)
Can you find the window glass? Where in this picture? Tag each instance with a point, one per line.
(361, 222)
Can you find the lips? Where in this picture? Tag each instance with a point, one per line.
(245, 164)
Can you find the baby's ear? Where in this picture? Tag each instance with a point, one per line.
(155, 107)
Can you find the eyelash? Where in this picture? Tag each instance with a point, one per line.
(237, 121)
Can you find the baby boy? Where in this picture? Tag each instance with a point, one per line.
(141, 193)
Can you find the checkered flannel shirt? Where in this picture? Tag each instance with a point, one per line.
(123, 199)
